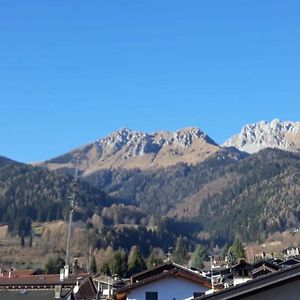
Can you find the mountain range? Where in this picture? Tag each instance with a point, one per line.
(248, 186)
(133, 149)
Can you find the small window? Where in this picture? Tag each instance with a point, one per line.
(151, 296)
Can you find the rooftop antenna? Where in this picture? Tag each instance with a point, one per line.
(169, 254)
(72, 205)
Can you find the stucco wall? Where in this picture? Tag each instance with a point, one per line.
(168, 289)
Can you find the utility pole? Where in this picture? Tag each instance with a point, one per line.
(71, 208)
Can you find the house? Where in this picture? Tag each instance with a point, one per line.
(220, 277)
(106, 285)
(241, 272)
(291, 251)
(168, 281)
(283, 284)
(77, 287)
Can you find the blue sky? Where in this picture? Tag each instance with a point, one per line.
(74, 71)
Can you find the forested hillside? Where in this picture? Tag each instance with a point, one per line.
(37, 194)
(227, 195)
(263, 198)
(156, 191)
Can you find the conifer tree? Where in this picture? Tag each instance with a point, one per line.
(198, 257)
(237, 249)
(118, 264)
(93, 265)
(180, 253)
(136, 261)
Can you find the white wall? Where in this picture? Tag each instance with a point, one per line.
(168, 289)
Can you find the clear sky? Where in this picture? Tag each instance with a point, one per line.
(74, 71)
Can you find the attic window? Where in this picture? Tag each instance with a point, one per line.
(151, 295)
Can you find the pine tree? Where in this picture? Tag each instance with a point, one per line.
(224, 251)
(136, 261)
(180, 253)
(198, 257)
(118, 264)
(237, 249)
(93, 265)
(155, 258)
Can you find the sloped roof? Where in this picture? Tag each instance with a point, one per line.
(156, 270)
(289, 262)
(262, 270)
(257, 285)
(40, 281)
(265, 263)
(29, 294)
(42, 287)
(175, 273)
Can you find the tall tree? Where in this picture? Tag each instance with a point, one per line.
(93, 265)
(237, 249)
(224, 251)
(118, 264)
(155, 257)
(180, 253)
(198, 256)
(136, 261)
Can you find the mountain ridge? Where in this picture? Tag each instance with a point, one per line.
(130, 149)
(284, 135)
(134, 149)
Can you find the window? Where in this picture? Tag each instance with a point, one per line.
(151, 296)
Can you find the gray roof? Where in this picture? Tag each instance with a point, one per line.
(256, 285)
(29, 294)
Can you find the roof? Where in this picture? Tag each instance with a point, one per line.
(42, 287)
(40, 281)
(242, 265)
(257, 285)
(262, 270)
(175, 273)
(289, 262)
(29, 294)
(265, 263)
(87, 289)
(276, 261)
(156, 270)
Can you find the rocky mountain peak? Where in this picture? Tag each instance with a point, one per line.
(134, 149)
(283, 135)
(140, 143)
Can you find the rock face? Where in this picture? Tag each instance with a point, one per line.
(132, 149)
(283, 135)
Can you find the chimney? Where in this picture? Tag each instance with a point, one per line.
(62, 275)
(66, 268)
(57, 292)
